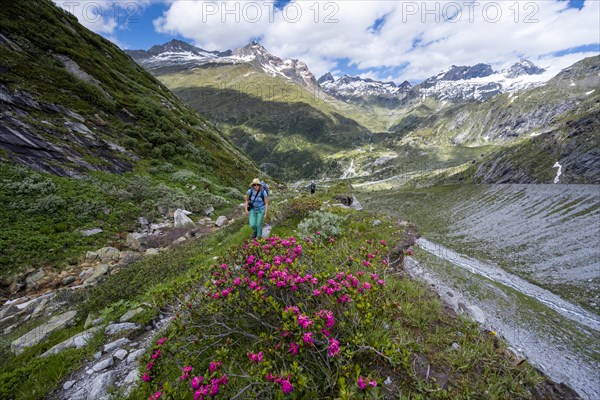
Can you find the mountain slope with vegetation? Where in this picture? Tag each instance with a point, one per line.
(296, 131)
(90, 139)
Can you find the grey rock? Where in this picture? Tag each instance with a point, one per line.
(137, 241)
(151, 252)
(78, 341)
(181, 219)
(477, 314)
(100, 385)
(222, 220)
(9, 310)
(116, 328)
(91, 232)
(179, 240)
(41, 306)
(107, 254)
(129, 257)
(455, 346)
(209, 210)
(68, 280)
(388, 381)
(120, 354)
(96, 274)
(376, 222)
(102, 365)
(143, 221)
(97, 355)
(116, 344)
(16, 287)
(356, 204)
(37, 335)
(130, 314)
(133, 356)
(78, 395)
(132, 377)
(68, 385)
(34, 278)
(91, 255)
(90, 321)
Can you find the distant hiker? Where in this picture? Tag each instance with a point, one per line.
(313, 187)
(257, 206)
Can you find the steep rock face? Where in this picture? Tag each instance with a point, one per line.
(72, 101)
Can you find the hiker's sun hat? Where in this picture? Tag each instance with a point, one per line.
(256, 181)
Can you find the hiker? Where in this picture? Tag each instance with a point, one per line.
(257, 206)
(313, 187)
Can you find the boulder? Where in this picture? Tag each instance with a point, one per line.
(107, 254)
(181, 219)
(209, 210)
(102, 365)
(78, 341)
(120, 354)
(132, 377)
(356, 204)
(91, 232)
(222, 220)
(116, 328)
(133, 356)
(100, 385)
(33, 279)
(151, 252)
(129, 257)
(68, 280)
(130, 314)
(96, 274)
(16, 287)
(179, 240)
(116, 344)
(137, 241)
(91, 256)
(143, 221)
(37, 335)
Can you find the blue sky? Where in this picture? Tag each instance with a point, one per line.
(384, 40)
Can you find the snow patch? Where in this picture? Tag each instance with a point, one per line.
(558, 172)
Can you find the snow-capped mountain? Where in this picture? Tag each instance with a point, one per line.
(480, 82)
(175, 52)
(184, 55)
(356, 89)
(292, 69)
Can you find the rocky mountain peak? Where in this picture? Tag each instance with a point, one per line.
(463, 72)
(522, 67)
(326, 78)
(174, 46)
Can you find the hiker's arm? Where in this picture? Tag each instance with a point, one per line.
(246, 205)
(266, 206)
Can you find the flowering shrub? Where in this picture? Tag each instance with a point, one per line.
(326, 223)
(284, 317)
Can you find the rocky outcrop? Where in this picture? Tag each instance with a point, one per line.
(38, 334)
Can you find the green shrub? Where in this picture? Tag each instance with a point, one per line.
(183, 176)
(298, 208)
(326, 223)
(49, 204)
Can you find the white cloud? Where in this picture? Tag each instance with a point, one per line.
(417, 33)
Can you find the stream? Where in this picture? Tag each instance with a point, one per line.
(526, 257)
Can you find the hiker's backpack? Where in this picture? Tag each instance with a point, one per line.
(265, 188)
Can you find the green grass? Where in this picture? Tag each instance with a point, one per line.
(408, 325)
